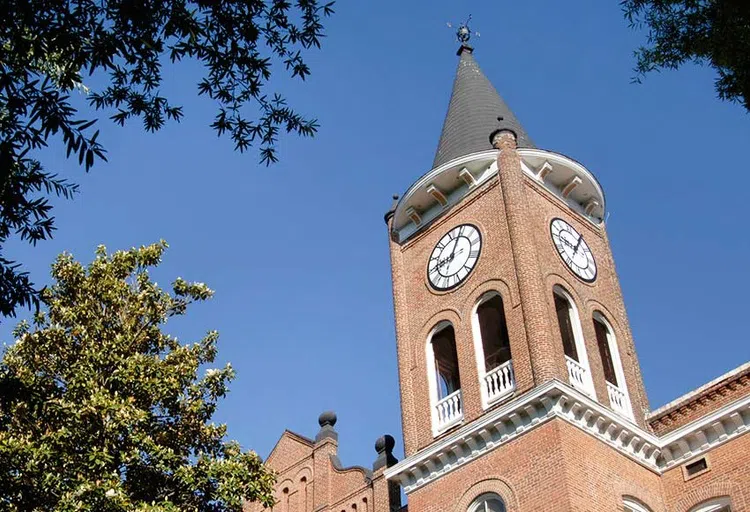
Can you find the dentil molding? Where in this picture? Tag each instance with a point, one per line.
(556, 399)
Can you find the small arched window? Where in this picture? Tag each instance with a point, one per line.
(489, 502)
(722, 504)
(572, 341)
(443, 377)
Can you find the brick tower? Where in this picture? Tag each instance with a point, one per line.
(514, 349)
(520, 386)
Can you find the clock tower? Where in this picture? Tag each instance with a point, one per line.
(520, 386)
(507, 304)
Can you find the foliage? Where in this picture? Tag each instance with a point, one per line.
(48, 46)
(102, 411)
(713, 32)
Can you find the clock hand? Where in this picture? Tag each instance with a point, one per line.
(575, 249)
(566, 242)
(453, 252)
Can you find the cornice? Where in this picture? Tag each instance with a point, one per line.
(556, 399)
(685, 400)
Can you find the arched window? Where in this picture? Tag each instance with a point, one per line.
(443, 376)
(572, 341)
(489, 502)
(722, 504)
(632, 505)
(612, 365)
(492, 346)
(446, 361)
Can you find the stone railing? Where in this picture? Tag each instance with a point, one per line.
(449, 410)
(579, 376)
(499, 382)
(618, 400)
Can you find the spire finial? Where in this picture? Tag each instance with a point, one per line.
(463, 34)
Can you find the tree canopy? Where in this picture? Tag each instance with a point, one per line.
(101, 410)
(710, 32)
(50, 48)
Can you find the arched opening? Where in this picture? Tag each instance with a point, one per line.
(303, 491)
(614, 375)
(492, 346)
(444, 378)
(632, 505)
(446, 361)
(722, 504)
(489, 502)
(571, 336)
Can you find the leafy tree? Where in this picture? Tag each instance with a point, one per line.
(48, 46)
(100, 410)
(712, 32)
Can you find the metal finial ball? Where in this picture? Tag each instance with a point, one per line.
(385, 443)
(328, 418)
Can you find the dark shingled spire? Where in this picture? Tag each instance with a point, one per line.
(476, 111)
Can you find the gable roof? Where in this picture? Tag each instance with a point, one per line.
(290, 447)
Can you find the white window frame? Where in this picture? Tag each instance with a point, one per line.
(432, 373)
(714, 505)
(575, 321)
(484, 498)
(634, 506)
(622, 384)
(476, 331)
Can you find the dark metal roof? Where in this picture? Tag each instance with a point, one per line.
(473, 114)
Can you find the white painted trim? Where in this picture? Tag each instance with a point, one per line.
(714, 505)
(707, 420)
(432, 377)
(677, 402)
(476, 334)
(556, 399)
(482, 499)
(622, 383)
(484, 167)
(575, 321)
(634, 506)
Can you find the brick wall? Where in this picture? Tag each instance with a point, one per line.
(728, 475)
(308, 479)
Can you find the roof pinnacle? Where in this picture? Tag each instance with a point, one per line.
(463, 35)
(476, 110)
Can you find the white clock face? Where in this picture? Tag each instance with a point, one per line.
(454, 257)
(573, 249)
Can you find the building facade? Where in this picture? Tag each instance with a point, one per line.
(520, 387)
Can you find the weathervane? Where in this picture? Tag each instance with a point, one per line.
(463, 32)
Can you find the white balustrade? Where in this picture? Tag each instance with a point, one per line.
(579, 376)
(449, 410)
(499, 382)
(618, 400)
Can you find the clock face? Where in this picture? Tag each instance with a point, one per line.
(573, 249)
(454, 257)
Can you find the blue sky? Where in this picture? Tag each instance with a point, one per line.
(298, 253)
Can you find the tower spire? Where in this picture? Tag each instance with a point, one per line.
(476, 110)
